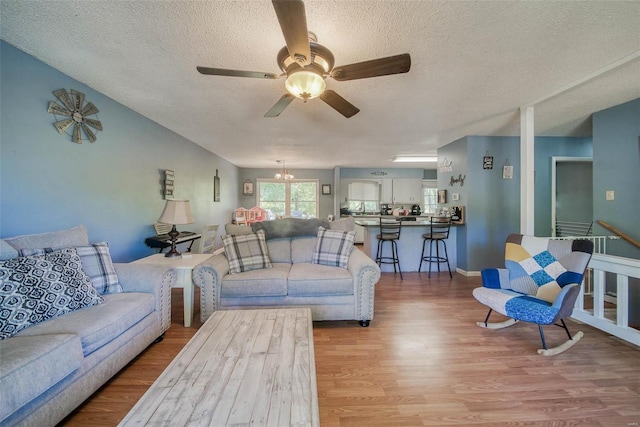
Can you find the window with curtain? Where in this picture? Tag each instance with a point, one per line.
(429, 196)
(297, 198)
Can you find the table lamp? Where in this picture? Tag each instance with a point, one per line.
(175, 212)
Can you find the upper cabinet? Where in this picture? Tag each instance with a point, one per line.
(386, 191)
(407, 190)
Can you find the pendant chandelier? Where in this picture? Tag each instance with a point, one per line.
(283, 174)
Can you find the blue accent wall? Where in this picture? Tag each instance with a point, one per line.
(546, 148)
(324, 176)
(113, 186)
(493, 203)
(616, 166)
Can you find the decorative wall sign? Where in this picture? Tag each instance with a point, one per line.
(77, 116)
(445, 166)
(379, 173)
(487, 161)
(460, 179)
(216, 187)
(442, 196)
(247, 188)
(168, 184)
(507, 171)
(326, 189)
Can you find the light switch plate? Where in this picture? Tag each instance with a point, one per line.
(610, 195)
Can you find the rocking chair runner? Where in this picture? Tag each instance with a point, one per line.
(540, 284)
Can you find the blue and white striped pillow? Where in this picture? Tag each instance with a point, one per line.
(246, 252)
(96, 263)
(333, 247)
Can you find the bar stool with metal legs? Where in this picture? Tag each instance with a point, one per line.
(389, 232)
(438, 233)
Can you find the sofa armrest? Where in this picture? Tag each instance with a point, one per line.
(366, 274)
(208, 277)
(153, 279)
(495, 278)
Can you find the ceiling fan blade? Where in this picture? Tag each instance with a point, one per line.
(293, 22)
(339, 104)
(397, 64)
(236, 73)
(280, 105)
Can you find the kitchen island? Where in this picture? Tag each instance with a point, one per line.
(409, 245)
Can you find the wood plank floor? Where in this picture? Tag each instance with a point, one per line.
(424, 362)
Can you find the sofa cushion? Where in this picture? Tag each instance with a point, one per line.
(279, 250)
(99, 325)
(35, 289)
(333, 247)
(76, 236)
(257, 283)
(246, 253)
(302, 249)
(7, 251)
(96, 263)
(306, 279)
(32, 365)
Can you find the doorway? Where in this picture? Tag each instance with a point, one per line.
(571, 196)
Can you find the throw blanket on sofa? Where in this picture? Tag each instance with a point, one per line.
(290, 227)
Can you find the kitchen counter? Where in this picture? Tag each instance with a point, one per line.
(409, 245)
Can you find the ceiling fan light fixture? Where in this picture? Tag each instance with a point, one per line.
(415, 159)
(305, 84)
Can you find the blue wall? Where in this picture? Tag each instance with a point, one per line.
(616, 166)
(492, 203)
(113, 186)
(324, 176)
(545, 149)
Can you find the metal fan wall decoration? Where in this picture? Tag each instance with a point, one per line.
(76, 112)
(306, 64)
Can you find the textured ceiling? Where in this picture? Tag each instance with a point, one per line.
(473, 65)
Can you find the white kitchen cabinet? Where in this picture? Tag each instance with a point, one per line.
(359, 234)
(407, 190)
(386, 193)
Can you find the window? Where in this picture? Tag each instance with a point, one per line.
(297, 198)
(429, 196)
(363, 196)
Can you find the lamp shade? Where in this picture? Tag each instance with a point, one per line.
(176, 212)
(305, 84)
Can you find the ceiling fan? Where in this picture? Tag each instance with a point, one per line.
(306, 64)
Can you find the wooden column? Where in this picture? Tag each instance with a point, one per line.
(527, 135)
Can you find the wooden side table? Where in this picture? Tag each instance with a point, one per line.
(183, 267)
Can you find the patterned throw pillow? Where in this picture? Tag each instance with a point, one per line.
(96, 262)
(35, 289)
(246, 252)
(333, 247)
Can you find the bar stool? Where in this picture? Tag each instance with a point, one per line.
(389, 232)
(438, 233)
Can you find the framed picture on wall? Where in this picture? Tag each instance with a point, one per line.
(247, 188)
(326, 189)
(442, 196)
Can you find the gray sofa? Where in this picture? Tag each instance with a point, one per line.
(332, 293)
(48, 369)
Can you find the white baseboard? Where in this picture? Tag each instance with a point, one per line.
(468, 273)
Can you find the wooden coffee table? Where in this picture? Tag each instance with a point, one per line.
(242, 367)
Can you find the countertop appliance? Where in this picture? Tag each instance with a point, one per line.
(415, 210)
(385, 209)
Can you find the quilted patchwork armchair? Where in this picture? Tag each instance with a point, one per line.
(540, 284)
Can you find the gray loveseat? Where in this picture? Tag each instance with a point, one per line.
(50, 368)
(331, 292)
